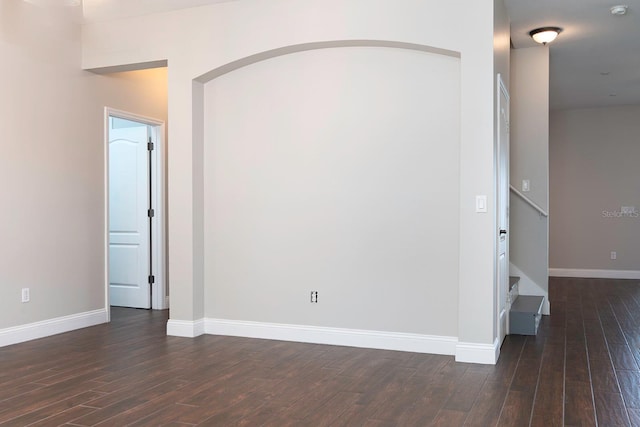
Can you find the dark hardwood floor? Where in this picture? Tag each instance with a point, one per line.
(581, 370)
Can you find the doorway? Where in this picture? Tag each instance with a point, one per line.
(134, 254)
(502, 210)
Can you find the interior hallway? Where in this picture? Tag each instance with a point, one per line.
(582, 366)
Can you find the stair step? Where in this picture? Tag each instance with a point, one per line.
(527, 304)
(525, 314)
(513, 280)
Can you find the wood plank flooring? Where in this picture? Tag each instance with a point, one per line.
(581, 370)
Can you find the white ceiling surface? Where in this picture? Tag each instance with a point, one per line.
(103, 10)
(593, 42)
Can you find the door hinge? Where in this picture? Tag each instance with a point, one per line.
(150, 145)
(152, 279)
(151, 213)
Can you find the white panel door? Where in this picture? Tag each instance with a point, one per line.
(128, 220)
(503, 210)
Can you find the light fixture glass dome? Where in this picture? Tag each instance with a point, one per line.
(545, 35)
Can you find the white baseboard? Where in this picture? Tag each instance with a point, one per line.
(478, 353)
(416, 343)
(398, 341)
(45, 328)
(185, 328)
(594, 274)
(546, 307)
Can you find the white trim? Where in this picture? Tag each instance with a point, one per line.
(397, 341)
(501, 90)
(478, 353)
(334, 336)
(159, 293)
(105, 214)
(58, 325)
(132, 116)
(185, 328)
(594, 274)
(159, 301)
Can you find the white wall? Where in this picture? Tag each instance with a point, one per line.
(101, 10)
(323, 173)
(197, 41)
(529, 159)
(594, 157)
(51, 167)
(501, 42)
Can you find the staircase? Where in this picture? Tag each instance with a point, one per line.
(525, 312)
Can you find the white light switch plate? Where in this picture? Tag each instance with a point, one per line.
(526, 185)
(481, 204)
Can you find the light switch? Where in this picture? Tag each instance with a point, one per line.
(526, 185)
(481, 204)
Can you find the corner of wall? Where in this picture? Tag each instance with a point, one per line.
(486, 354)
(185, 328)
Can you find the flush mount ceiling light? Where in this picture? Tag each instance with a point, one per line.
(620, 9)
(545, 35)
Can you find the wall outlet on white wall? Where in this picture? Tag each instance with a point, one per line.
(26, 295)
(314, 296)
(614, 255)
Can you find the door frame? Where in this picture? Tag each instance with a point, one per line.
(501, 89)
(158, 158)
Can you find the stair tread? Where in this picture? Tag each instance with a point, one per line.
(527, 304)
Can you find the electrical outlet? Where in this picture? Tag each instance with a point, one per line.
(614, 255)
(25, 295)
(314, 296)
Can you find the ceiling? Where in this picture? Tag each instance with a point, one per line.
(101, 10)
(594, 62)
(594, 42)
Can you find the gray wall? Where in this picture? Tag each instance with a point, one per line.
(335, 170)
(594, 168)
(529, 159)
(52, 162)
(501, 42)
